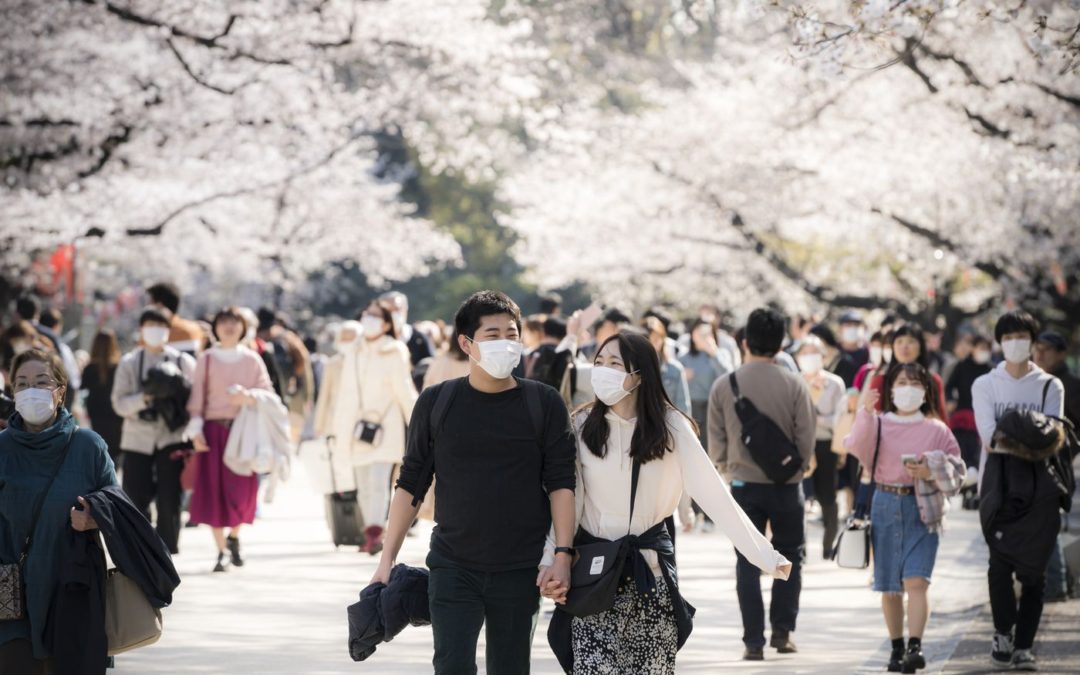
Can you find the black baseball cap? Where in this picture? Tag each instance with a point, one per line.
(1054, 339)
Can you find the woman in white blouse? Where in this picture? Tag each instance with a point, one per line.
(632, 418)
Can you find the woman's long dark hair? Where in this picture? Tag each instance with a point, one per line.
(916, 372)
(105, 353)
(652, 436)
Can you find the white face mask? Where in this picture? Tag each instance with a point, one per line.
(811, 364)
(250, 335)
(851, 334)
(886, 355)
(1016, 351)
(982, 357)
(154, 336)
(35, 405)
(372, 325)
(876, 353)
(908, 398)
(607, 384)
(498, 357)
(20, 347)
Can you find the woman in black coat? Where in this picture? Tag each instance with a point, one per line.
(97, 382)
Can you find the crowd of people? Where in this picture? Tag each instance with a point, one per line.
(562, 449)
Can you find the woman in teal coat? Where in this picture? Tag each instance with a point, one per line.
(41, 440)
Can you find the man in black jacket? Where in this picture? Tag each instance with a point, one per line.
(502, 482)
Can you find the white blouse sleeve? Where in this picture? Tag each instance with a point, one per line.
(711, 493)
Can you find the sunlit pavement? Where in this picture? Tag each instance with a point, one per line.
(284, 612)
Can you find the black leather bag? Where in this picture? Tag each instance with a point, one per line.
(769, 447)
(594, 576)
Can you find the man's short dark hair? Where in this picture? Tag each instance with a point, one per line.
(481, 304)
(613, 315)
(1016, 321)
(826, 335)
(661, 314)
(267, 318)
(27, 308)
(554, 327)
(765, 331)
(51, 318)
(550, 303)
(165, 294)
(153, 315)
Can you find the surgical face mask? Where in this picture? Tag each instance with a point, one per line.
(398, 318)
(981, 357)
(498, 357)
(908, 398)
(372, 325)
(810, 364)
(1016, 351)
(607, 384)
(20, 347)
(35, 405)
(154, 336)
(886, 355)
(250, 334)
(851, 334)
(875, 355)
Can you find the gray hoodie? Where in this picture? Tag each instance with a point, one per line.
(997, 392)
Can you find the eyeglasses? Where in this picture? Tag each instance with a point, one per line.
(23, 385)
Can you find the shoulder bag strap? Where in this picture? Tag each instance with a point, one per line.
(206, 387)
(735, 387)
(40, 503)
(863, 506)
(634, 475)
(1046, 389)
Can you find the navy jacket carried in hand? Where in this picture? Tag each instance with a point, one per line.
(385, 609)
(134, 546)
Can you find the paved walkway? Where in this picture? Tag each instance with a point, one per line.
(285, 611)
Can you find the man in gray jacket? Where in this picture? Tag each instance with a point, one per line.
(783, 397)
(151, 460)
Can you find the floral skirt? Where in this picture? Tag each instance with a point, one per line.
(637, 635)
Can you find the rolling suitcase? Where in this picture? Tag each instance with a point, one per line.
(342, 512)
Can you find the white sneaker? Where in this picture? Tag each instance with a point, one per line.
(1001, 651)
(972, 477)
(1023, 659)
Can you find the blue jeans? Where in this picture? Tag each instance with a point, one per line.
(783, 506)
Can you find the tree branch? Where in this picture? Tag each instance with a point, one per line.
(938, 240)
(989, 128)
(107, 147)
(964, 66)
(194, 76)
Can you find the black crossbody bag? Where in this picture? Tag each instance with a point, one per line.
(12, 585)
(594, 576)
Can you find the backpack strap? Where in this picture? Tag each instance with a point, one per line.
(536, 409)
(1046, 389)
(447, 391)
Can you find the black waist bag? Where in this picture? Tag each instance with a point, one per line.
(769, 447)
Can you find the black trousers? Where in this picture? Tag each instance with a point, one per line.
(462, 601)
(17, 658)
(156, 478)
(782, 506)
(825, 480)
(1026, 614)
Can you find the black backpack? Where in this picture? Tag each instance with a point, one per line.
(770, 448)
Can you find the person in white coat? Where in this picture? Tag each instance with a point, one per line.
(367, 383)
(632, 419)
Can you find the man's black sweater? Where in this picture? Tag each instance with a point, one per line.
(494, 474)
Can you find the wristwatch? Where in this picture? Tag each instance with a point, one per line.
(567, 550)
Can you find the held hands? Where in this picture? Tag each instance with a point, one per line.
(82, 521)
(554, 581)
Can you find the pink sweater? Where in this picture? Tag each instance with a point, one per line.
(249, 371)
(913, 435)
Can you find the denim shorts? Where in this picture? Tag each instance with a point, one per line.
(903, 546)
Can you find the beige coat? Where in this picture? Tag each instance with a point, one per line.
(367, 381)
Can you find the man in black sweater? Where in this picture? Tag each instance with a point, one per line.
(502, 483)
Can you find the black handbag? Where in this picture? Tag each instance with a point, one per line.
(852, 550)
(594, 576)
(12, 586)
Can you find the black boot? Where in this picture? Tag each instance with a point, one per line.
(913, 657)
(829, 514)
(222, 563)
(234, 551)
(896, 658)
